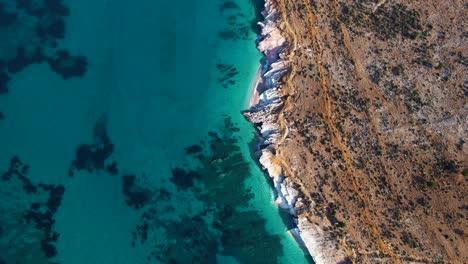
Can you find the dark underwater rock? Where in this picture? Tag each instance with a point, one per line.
(193, 149)
(222, 227)
(68, 66)
(36, 208)
(137, 197)
(4, 80)
(47, 25)
(93, 157)
(184, 179)
(6, 18)
(54, 29)
(24, 58)
(42, 215)
(19, 169)
(112, 168)
(57, 7)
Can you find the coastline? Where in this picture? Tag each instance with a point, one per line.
(265, 106)
(255, 89)
(265, 102)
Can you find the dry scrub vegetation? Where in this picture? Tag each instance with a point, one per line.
(376, 117)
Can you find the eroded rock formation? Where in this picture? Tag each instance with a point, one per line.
(363, 126)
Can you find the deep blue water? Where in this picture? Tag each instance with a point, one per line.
(121, 138)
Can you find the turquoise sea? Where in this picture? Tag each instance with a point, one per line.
(122, 139)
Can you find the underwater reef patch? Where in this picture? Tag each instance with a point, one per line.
(94, 157)
(224, 225)
(68, 66)
(27, 216)
(193, 149)
(236, 26)
(228, 73)
(4, 80)
(229, 5)
(137, 196)
(42, 25)
(184, 179)
(7, 17)
(24, 57)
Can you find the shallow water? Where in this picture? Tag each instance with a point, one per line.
(122, 139)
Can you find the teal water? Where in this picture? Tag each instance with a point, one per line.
(121, 138)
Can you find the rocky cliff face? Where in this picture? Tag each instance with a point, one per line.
(363, 126)
(265, 114)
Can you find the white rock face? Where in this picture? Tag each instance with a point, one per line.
(265, 116)
(289, 195)
(277, 70)
(321, 249)
(273, 169)
(272, 42)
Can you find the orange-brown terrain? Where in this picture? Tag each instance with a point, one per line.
(374, 123)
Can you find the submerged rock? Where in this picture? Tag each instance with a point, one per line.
(4, 80)
(95, 156)
(137, 196)
(218, 219)
(36, 26)
(29, 224)
(7, 18)
(68, 66)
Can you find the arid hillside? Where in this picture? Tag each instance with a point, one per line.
(375, 123)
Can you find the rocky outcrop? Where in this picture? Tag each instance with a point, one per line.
(265, 113)
(265, 116)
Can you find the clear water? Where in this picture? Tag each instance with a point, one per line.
(144, 157)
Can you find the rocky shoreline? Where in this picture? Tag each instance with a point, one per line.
(265, 115)
(362, 127)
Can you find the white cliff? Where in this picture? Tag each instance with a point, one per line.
(265, 115)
